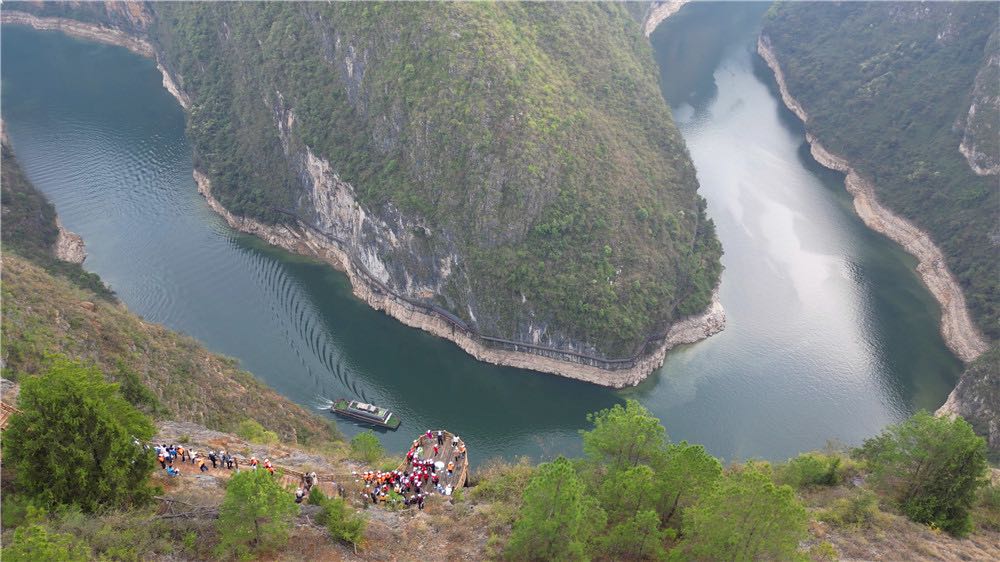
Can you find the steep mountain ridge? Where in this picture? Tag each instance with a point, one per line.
(535, 193)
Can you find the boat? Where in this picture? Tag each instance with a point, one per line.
(367, 413)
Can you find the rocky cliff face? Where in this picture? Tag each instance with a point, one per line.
(981, 132)
(977, 398)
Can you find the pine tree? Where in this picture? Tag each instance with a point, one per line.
(256, 514)
(625, 437)
(932, 467)
(77, 441)
(556, 518)
(688, 473)
(746, 517)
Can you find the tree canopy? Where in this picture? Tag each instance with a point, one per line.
(746, 517)
(556, 518)
(932, 467)
(77, 441)
(256, 514)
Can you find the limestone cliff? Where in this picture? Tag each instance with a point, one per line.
(527, 189)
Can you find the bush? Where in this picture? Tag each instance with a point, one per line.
(366, 447)
(316, 496)
(34, 543)
(987, 514)
(859, 510)
(75, 441)
(256, 514)
(932, 467)
(252, 431)
(810, 469)
(747, 517)
(345, 524)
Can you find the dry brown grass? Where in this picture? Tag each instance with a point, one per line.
(43, 314)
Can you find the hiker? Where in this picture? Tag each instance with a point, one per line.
(268, 467)
(300, 494)
(162, 458)
(429, 435)
(213, 458)
(201, 465)
(313, 479)
(451, 468)
(440, 438)
(253, 463)
(180, 452)
(236, 464)
(435, 450)
(420, 501)
(171, 471)
(454, 441)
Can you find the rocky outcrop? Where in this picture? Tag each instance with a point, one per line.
(69, 245)
(308, 241)
(977, 398)
(660, 11)
(981, 133)
(957, 328)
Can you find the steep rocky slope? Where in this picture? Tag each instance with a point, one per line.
(510, 168)
(888, 87)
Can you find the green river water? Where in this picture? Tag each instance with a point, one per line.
(830, 336)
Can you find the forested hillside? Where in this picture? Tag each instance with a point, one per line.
(889, 86)
(513, 163)
(51, 307)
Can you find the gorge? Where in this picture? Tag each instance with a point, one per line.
(830, 332)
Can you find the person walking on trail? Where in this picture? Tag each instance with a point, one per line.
(268, 467)
(201, 464)
(180, 452)
(300, 494)
(163, 460)
(253, 463)
(440, 438)
(213, 458)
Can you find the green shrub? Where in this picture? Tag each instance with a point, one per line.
(931, 467)
(34, 543)
(366, 447)
(859, 510)
(256, 514)
(809, 469)
(252, 431)
(74, 441)
(316, 496)
(345, 524)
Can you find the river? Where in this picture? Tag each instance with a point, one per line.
(831, 334)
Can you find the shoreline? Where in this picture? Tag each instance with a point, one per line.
(100, 34)
(659, 13)
(959, 332)
(304, 241)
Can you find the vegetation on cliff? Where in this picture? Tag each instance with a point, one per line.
(530, 139)
(889, 86)
(53, 307)
(28, 227)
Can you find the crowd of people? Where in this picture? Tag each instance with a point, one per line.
(169, 457)
(430, 467)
